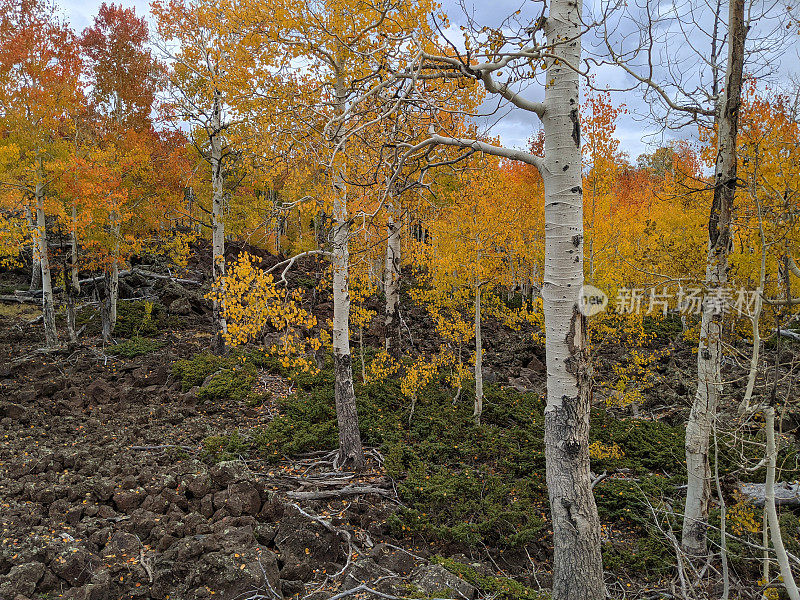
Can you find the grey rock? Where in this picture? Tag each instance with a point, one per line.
(435, 579)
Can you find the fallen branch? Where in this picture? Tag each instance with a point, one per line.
(786, 494)
(165, 277)
(350, 490)
(122, 275)
(599, 478)
(20, 300)
(164, 447)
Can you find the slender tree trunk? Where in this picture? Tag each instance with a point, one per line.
(48, 305)
(765, 551)
(772, 513)
(36, 263)
(723, 525)
(350, 450)
(73, 246)
(72, 286)
(478, 409)
(709, 352)
(111, 282)
(391, 286)
(577, 561)
(36, 271)
(217, 225)
(754, 318)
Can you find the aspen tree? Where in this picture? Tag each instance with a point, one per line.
(40, 69)
(202, 50)
(577, 561)
(346, 48)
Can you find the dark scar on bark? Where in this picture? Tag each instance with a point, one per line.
(567, 505)
(577, 239)
(576, 190)
(576, 126)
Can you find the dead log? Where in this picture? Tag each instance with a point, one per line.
(786, 494)
(122, 275)
(20, 300)
(350, 490)
(792, 335)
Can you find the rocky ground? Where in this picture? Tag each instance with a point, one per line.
(103, 494)
(103, 497)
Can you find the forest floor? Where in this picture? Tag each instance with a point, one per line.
(127, 474)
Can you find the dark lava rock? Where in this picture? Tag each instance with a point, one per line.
(364, 570)
(396, 560)
(299, 538)
(128, 500)
(22, 579)
(232, 576)
(122, 546)
(74, 565)
(101, 391)
(16, 412)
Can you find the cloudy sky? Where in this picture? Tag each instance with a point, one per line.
(639, 130)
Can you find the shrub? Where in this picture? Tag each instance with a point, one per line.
(499, 588)
(193, 371)
(234, 383)
(139, 318)
(219, 448)
(136, 346)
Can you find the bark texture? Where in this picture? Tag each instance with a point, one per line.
(36, 265)
(709, 351)
(217, 223)
(478, 408)
(48, 306)
(391, 287)
(350, 450)
(577, 561)
(109, 308)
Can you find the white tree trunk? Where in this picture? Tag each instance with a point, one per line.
(709, 351)
(478, 408)
(217, 224)
(109, 316)
(577, 561)
(391, 285)
(351, 451)
(754, 318)
(36, 264)
(772, 513)
(74, 276)
(48, 305)
(72, 286)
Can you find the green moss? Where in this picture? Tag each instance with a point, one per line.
(662, 327)
(650, 557)
(136, 346)
(193, 371)
(235, 383)
(499, 588)
(230, 377)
